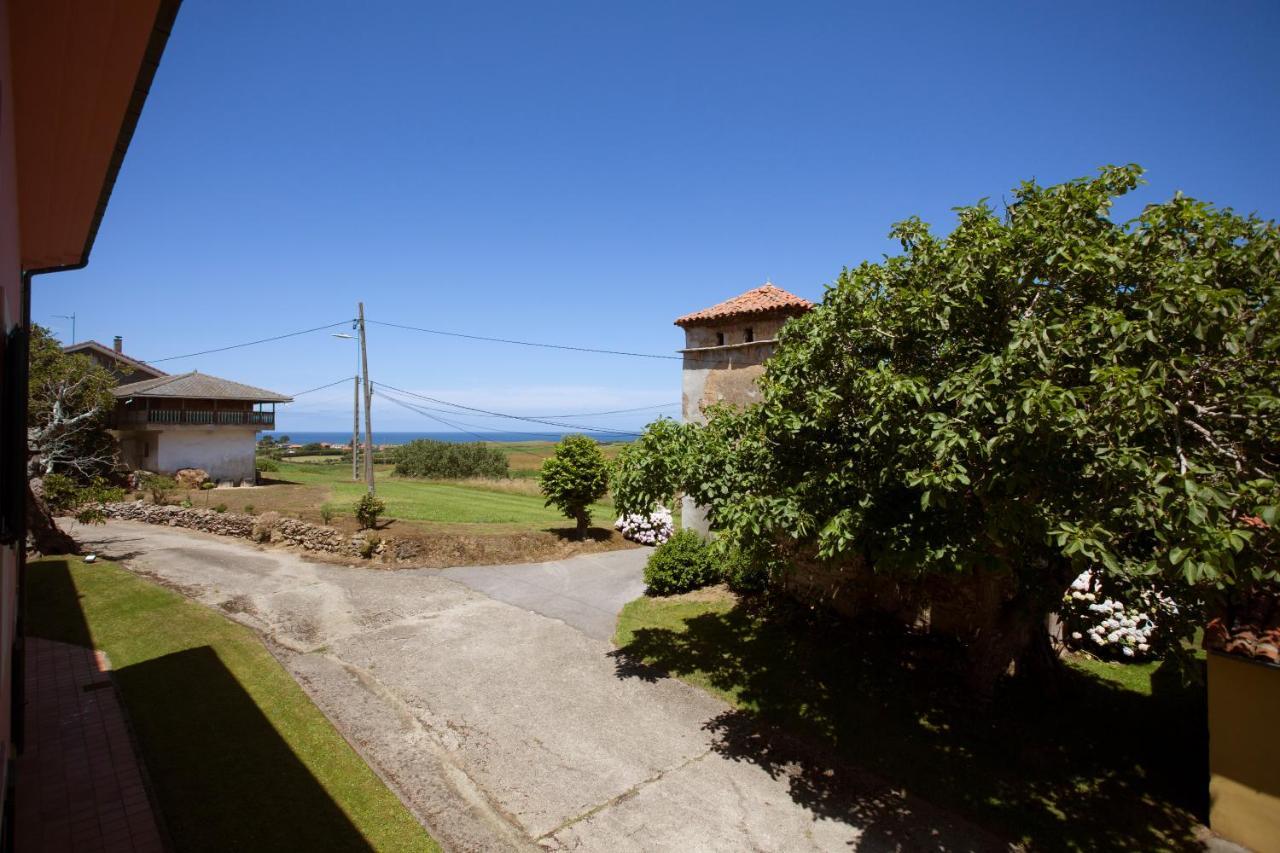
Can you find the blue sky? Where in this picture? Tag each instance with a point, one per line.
(583, 173)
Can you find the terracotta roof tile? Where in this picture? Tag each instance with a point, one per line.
(765, 299)
(1250, 629)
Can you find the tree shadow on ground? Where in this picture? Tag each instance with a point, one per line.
(870, 711)
(223, 776)
(570, 534)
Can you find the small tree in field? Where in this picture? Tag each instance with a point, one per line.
(574, 478)
(367, 510)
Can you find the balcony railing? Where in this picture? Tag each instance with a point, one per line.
(197, 417)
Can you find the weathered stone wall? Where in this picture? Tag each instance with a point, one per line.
(957, 606)
(268, 527)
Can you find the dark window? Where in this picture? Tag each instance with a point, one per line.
(719, 339)
(749, 335)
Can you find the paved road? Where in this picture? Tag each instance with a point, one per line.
(502, 728)
(586, 592)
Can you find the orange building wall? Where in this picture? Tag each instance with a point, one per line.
(11, 311)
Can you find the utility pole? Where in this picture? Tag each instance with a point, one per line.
(355, 428)
(368, 401)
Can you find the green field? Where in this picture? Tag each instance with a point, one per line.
(239, 757)
(515, 502)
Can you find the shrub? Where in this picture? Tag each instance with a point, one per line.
(159, 487)
(680, 564)
(266, 463)
(185, 503)
(264, 525)
(250, 509)
(575, 477)
(64, 495)
(220, 508)
(740, 572)
(369, 546)
(208, 484)
(651, 529)
(60, 493)
(449, 460)
(326, 513)
(1113, 622)
(367, 510)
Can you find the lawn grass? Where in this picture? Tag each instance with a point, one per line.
(1116, 760)
(239, 757)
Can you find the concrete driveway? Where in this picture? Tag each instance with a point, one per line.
(503, 728)
(586, 592)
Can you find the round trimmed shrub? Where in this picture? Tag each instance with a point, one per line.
(680, 564)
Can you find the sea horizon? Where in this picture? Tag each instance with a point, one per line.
(392, 437)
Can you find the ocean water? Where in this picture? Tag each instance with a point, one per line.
(338, 437)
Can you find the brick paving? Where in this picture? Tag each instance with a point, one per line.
(79, 780)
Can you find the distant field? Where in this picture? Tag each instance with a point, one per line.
(473, 521)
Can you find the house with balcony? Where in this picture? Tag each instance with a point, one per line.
(113, 360)
(193, 420)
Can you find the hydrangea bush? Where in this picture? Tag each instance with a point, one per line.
(1104, 624)
(653, 528)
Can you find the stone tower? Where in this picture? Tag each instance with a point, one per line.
(725, 347)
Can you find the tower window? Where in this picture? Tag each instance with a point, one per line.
(719, 339)
(749, 335)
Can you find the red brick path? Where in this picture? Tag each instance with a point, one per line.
(79, 784)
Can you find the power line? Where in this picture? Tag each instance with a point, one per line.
(438, 419)
(505, 414)
(321, 387)
(249, 343)
(423, 410)
(525, 343)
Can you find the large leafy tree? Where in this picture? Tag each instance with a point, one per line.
(69, 405)
(1041, 391)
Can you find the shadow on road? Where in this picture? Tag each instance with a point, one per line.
(869, 713)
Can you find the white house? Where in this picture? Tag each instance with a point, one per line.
(193, 420)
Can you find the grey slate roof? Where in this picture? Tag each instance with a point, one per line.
(199, 386)
(109, 352)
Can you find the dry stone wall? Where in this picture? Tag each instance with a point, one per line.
(268, 527)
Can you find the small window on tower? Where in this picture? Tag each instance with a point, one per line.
(719, 339)
(749, 335)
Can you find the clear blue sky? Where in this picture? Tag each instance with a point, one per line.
(584, 172)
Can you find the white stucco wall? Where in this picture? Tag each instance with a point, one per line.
(225, 452)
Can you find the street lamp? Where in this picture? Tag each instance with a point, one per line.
(355, 412)
(72, 318)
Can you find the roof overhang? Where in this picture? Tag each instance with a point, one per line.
(81, 73)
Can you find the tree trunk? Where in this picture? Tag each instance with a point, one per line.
(1018, 639)
(43, 534)
(583, 520)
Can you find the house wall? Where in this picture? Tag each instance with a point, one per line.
(12, 408)
(1244, 753)
(227, 453)
(722, 373)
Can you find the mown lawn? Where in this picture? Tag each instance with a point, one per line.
(472, 502)
(1117, 759)
(239, 757)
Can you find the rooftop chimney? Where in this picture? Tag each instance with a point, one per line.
(118, 343)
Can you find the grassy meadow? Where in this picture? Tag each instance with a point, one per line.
(465, 521)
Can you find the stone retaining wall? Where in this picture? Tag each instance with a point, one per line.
(268, 527)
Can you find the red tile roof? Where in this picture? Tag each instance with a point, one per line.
(765, 299)
(1250, 629)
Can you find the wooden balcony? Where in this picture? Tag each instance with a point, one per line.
(193, 417)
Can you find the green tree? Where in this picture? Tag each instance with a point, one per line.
(573, 478)
(69, 406)
(1037, 393)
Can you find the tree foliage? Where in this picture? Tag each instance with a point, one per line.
(1039, 392)
(69, 405)
(450, 460)
(574, 477)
